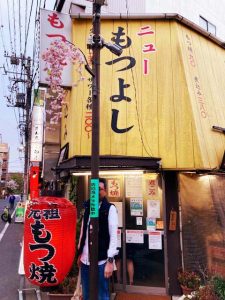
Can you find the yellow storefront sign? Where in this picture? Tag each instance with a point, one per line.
(160, 98)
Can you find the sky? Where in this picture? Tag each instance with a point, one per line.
(17, 29)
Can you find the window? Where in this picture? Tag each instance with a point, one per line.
(207, 25)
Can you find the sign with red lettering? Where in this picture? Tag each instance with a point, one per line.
(54, 25)
(113, 188)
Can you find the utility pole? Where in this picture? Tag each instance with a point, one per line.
(27, 108)
(96, 45)
(94, 218)
(23, 101)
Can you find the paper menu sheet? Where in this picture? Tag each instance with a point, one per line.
(134, 236)
(136, 207)
(155, 240)
(133, 186)
(118, 238)
(119, 207)
(153, 209)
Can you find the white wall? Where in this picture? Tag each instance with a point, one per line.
(212, 10)
(115, 6)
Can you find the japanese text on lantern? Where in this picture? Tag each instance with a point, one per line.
(44, 272)
(147, 47)
(124, 43)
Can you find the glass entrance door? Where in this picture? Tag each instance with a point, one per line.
(138, 198)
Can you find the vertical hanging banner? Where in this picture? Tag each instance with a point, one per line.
(34, 182)
(37, 126)
(54, 25)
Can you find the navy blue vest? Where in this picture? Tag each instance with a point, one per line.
(103, 233)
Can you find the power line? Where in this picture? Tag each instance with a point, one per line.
(20, 27)
(10, 34)
(36, 40)
(28, 27)
(14, 24)
(26, 8)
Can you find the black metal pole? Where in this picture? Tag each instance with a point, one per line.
(94, 222)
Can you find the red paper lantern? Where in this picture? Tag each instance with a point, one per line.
(49, 240)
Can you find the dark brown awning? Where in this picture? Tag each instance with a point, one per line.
(83, 163)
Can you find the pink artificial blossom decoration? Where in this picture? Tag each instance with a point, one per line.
(55, 58)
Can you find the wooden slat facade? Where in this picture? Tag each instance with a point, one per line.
(172, 109)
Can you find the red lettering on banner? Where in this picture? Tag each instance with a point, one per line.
(54, 21)
(57, 36)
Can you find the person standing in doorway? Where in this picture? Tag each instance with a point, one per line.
(107, 247)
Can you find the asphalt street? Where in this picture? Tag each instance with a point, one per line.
(10, 247)
(11, 238)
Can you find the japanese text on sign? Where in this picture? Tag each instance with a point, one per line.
(94, 198)
(147, 48)
(55, 25)
(197, 86)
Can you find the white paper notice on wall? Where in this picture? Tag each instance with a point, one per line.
(118, 238)
(136, 207)
(155, 240)
(119, 208)
(134, 186)
(153, 209)
(134, 236)
(139, 221)
(150, 224)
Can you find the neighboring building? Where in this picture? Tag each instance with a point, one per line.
(202, 12)
(158, 150)
(4, 154)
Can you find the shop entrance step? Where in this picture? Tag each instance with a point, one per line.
(129, 296)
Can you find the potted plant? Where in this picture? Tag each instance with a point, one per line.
(189, 281)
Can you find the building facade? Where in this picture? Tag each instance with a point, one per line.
(160, 103)
(4, 154)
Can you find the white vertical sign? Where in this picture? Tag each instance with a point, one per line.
(37, 126)
(54, 25)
